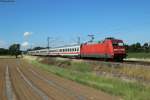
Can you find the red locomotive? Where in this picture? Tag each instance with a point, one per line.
(109, 49)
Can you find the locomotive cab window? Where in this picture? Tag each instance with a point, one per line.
(118, 44)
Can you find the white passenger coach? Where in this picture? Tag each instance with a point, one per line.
(70, 50)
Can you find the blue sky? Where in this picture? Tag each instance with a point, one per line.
(65, 20)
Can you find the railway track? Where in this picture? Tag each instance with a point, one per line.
(125, 62)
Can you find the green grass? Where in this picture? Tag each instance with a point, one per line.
(128, 91)
(80, 66)
(138, 55)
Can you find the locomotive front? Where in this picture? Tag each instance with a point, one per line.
(118, 49)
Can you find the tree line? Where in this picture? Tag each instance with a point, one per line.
(138, 47)
(13, 50)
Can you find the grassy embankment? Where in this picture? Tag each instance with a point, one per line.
(81, 72)
(138, 55)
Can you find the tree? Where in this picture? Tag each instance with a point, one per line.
(146, 47)
(15, 50)
(132, 48)
(4, 51)
(135, 48)
(138, 47)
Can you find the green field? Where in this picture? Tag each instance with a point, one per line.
(138, 55)
(83, 74)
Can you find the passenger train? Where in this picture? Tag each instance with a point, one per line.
(108, 49)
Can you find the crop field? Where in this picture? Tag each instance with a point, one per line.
(20, 80)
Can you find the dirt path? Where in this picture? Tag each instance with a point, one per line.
(22, 81)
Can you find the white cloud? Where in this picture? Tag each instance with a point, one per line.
(25, 44)
(27, 34)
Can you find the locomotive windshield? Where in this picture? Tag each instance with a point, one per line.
(118, 44)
